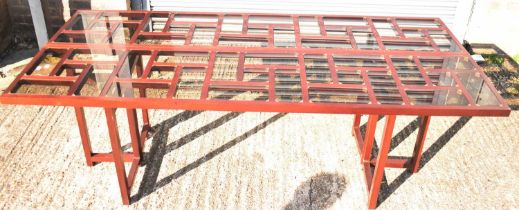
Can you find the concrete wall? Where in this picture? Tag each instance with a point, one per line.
(495, 21)
(20, 15)
(53, 11)
(5, 26)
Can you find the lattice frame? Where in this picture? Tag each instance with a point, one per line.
(349, 87)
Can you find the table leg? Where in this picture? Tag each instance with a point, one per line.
(83, 132)
(356, 123)
(420, 139)
(139, 68)
(117, 154)
(145, 118)
(134, 132)
(369, 138)
(381, 161)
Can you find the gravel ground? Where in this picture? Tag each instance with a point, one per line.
(220, 160)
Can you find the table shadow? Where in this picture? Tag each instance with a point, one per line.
(159, 148)
(388, 188)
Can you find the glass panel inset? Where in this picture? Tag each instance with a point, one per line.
(152, 92)
(451, 63)
(417, 23)
(284, 37)
(288, 86)
(203, 36)
(183, 57)
(232, 24)
(359, 61)
(82, 21)
(350, 77)
(190, 83)
(317, 70)
(96, 80)
(270, 59)
(338, 21)
(122, 33)
(436, 97)
(240, 93)
(309, 26)
(161, 39)
(138, 90)
(95, 55)
(337, 32)
(338, 95)
(156, 23)
(407, 45)
(258, 30)
(162, 73)
(255, 75)
(256, 19)
(121, 16)
(478, 89)
(364, 39)
(243, 41)
(441, 78)
(385, 87)
(413, 33)
(444, 41)
(195, 18)
(179, 28)
(325, 43)
(384, 28)
(407, 71)
(225, 66)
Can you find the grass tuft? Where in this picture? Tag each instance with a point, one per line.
(516, 58)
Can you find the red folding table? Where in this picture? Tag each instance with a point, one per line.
(239, 62)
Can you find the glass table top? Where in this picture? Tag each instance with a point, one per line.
(299, 59)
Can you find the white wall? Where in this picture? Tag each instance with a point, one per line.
(454, 13)
(495, 21)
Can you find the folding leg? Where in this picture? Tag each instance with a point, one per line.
(369, 138)
(356, 123)
(381, 161)
(365, 145)
(134, 132)
(139, 68)
(83, 132)
(117, 155)
(420, 139)
(145, 119)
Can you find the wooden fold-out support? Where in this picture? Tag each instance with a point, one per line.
(365, 147)
(117, 156)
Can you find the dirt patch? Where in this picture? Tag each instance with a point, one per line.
(502, 70)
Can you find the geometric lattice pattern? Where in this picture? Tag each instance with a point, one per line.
(257, 62)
